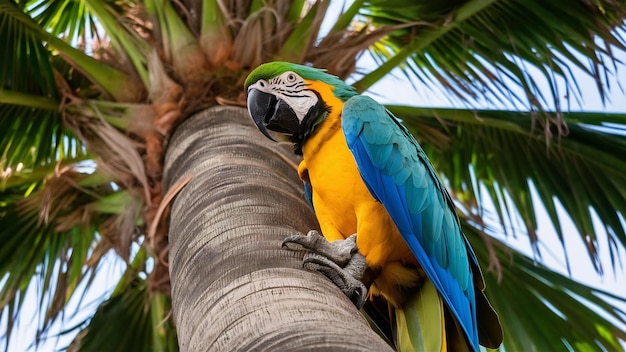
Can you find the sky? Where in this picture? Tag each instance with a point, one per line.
(394, 90)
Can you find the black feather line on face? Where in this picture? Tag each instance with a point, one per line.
(316, 114)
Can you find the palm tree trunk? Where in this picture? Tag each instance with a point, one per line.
(233, 287)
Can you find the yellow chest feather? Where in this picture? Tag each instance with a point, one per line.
(334, 176)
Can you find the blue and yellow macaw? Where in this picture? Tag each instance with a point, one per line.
(387, 220)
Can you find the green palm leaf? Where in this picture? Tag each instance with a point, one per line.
(29, 98)
(16, 22)
(27, 67)
(144, 323)
(483, 49)
(68, 19)
(537, 306)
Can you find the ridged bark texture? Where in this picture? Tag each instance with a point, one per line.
(233, 287)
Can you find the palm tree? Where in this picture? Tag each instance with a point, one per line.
(92, 92)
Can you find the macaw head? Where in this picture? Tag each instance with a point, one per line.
(292, 99)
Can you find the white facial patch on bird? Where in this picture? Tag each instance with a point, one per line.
(290, 88)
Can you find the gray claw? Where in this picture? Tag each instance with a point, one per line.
(347, 278)
(339, 252)
(340, 261)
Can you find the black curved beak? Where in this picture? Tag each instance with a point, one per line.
(269, 112)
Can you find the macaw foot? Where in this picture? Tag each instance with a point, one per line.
(339, 261)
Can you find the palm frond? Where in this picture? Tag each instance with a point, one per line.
(24, 65)
(537, 305)
(28, 90)
(483, 49)
(18, 27)
(125, 40)
(501, 151)
(68, 20)
(304, 34)
(33, 132)
(38, 138)
(144, 323)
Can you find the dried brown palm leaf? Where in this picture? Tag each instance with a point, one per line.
(339, 51)
(136, 120)
(190, 65)
(165, 95)
(142, 25)
(262, 34)
(122, 154)
(118, 154)
(57, 196)
(162, 87)
(141, 118)
(250, 43)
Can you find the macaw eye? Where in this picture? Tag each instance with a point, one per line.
(291, 77)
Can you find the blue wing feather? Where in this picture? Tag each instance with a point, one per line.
(308, 193)
(398, 174)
